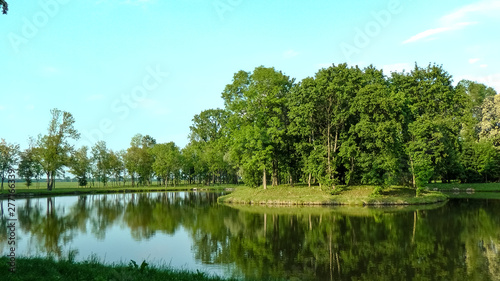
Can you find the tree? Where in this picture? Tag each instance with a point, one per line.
(53, 150)
(28, 166)
(101, 160)
(4, 6)
(432, 121)
(139, 159)
(209, 135)
(80, 165)
(116, 164)
(377, 132)
(8, 157)
(320, 115)
(166, 161)
(489, 126)
(256, 103)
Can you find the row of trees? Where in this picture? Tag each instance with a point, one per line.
(343, 126)
(348, 125)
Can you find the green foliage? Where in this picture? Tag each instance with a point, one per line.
(167, 160)
(53, 150)
(80, 165)
(8, 158)
(256, 103)
(4, 6)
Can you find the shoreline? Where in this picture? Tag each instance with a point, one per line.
(28, 193)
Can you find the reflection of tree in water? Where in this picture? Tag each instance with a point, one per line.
(405, 245)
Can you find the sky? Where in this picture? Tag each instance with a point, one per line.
(126, 67)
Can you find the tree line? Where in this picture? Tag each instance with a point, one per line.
(343, 126)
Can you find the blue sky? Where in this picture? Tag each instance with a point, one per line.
(123, 67)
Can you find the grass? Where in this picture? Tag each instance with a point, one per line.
(49, 269)
(72, 188)
(354, 195)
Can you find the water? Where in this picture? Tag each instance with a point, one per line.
(459, 240)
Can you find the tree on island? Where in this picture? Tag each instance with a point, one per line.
(8, 157)
(53, 150)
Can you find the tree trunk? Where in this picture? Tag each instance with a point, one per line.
(50, 181)
(275, 173)
(264, 181)
(309, 180)
(412, 172)
(328, 149)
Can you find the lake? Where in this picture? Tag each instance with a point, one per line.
(457, 240)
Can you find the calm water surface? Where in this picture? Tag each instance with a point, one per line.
(459, 240)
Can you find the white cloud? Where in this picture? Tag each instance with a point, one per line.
(485, 7)
(473, 61)
(290, 54)
(483, 65)
(433, 31)
(397, 67)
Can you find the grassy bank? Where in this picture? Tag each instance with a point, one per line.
(355, 195)
(68, 188)
(42, 269)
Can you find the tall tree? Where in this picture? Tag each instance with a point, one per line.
(80, 165)
(209, 135)
(139, 159)
(53, 150)
(166, 161)
(28, 166)
(433, 118)
(116, 165)
(377, 132)
(8, 157)
(489, 126)
(256, 103)
(320, 114)
(101, 160)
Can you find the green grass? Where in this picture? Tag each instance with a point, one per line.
(72, 188)
(49, 269)
(462, 187)
(355, 195)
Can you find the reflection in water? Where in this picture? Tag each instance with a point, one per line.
(460, 240)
